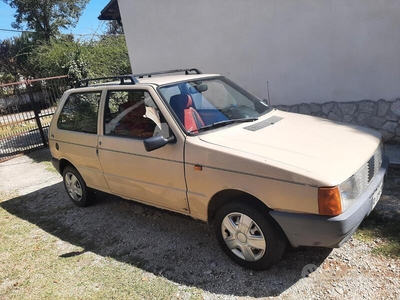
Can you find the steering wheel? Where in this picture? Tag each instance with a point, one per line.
(227, 108)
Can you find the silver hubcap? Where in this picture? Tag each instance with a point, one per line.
(243, 236)
(73, 186)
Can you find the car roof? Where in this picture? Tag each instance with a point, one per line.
(152, 80)
(163, 80)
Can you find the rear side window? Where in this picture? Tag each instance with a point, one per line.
(79, 112)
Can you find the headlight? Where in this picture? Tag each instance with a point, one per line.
(351, 189)
(348, 192)
(333, 201)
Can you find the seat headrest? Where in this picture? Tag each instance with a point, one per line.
(181, 100)
(179, 103)
(189, 101)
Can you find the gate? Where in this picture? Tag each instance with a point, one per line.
(26, 109)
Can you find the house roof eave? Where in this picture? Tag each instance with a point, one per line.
(110, 12)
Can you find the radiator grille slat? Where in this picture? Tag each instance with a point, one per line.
(368, 171)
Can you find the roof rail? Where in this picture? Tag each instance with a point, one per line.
(187, 72)
(133, 77)
(123, 80)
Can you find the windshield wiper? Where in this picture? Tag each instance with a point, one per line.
(223, 123)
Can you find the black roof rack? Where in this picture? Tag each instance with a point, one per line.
(133, 77)
(187, 72)
(123, 80)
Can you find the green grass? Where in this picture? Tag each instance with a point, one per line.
(385, 233)
(9, 130)
(6, 130)
(49, 166)
(35, 264)
(383, 224)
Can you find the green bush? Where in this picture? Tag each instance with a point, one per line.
(82, 59)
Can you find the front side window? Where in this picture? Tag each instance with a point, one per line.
(131, 113)
(79, 112)
(209, 103)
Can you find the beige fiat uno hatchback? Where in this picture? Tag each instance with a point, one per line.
(200, 145)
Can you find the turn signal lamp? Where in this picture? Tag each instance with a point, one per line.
(329, 201)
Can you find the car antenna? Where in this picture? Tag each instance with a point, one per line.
(269, 100)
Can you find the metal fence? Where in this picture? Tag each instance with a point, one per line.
(26, 109)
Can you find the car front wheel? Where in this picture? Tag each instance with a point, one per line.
(248, 237)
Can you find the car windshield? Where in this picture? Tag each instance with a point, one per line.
(209, 103)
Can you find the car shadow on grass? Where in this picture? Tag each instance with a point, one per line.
(165, 244)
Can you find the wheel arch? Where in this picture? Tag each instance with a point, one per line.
(63, 164)
(223, 197)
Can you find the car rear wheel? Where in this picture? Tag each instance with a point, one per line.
(248, 237)
(76, 187)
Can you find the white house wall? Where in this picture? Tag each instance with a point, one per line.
(308, 50)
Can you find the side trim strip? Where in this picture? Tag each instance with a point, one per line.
(123, 152)
(64, 142)
(141, 155)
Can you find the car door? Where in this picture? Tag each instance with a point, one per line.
(130, 116)
(75, 134)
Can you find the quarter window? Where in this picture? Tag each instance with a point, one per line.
(79, 112)
(131, 114)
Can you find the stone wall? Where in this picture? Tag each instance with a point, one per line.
(381, 115)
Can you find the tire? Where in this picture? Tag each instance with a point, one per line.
(251, 239)
(76, 187)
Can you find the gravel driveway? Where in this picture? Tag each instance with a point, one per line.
(185, 251)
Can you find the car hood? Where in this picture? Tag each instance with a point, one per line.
(318, 149)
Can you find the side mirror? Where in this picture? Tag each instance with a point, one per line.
(156, 142)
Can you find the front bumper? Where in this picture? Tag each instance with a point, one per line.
(332, 232)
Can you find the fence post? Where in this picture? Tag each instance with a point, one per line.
(36, 112)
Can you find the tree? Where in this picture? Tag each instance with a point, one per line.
(14, 55)
(46, 17)
(81, 59)
(114, 27)
(108, 56)
(57, 57)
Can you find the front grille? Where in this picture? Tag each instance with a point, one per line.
(378, 158)
(368, 171)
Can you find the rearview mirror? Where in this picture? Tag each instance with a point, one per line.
(156, 142)
(202, 87)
